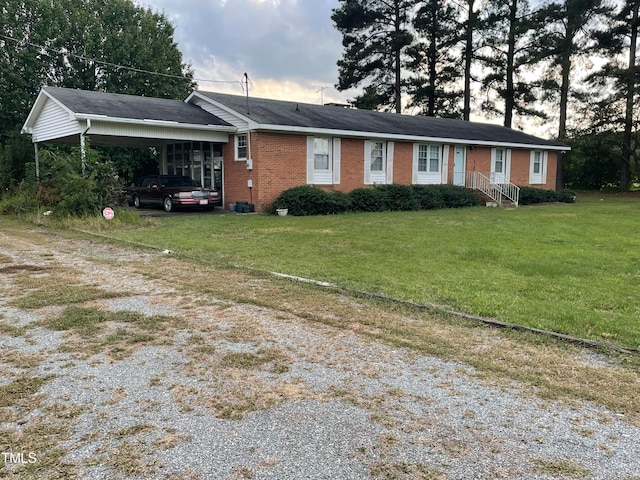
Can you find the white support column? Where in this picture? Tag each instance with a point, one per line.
(83, 152)
(35, 146)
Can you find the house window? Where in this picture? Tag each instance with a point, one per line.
(538, 167)
(537, 162)
(429, 159)
(323, 161)
(241, 147)
(321, 154)
(498, 165)
(377, 157)
(378, 162)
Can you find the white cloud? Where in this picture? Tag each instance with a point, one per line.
(289, 48)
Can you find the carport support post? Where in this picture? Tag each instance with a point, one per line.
(83, 152)
(35, 146)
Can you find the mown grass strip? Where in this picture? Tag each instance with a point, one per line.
(570, 269)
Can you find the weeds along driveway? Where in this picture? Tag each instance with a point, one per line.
(120, 363)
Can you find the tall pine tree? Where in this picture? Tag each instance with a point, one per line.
(507, 28)
(375, 34)
(435, 83)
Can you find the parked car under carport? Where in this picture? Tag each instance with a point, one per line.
(171, 191)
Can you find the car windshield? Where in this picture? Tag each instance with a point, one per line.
(179, 182)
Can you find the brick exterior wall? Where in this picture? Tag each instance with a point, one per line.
(280, 162)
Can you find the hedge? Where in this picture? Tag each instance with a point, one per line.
(530, 195)
(308, 200)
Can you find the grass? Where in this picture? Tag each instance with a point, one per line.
(572, 268)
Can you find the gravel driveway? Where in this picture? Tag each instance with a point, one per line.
(172, 384)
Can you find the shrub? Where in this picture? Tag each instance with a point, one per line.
(65, 187)
(368, 200)
(429, 196)
(308, 200)
(339, 202)
(399, 197)
(567, 196)
(458, 197)
(531, 195)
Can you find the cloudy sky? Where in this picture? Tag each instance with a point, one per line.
(288, 48)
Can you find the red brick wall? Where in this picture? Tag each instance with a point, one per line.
(280, 162)
(402, 162)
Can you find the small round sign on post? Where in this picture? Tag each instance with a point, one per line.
(108, 213)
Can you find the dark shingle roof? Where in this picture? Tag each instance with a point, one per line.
(292, 114)
(132, 107)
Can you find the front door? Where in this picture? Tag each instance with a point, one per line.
(459, 166)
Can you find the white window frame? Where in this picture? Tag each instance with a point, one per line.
(539, 178)
(503, 176)
(237, 146)
(385, 175)
(427, 153)
(323, 176)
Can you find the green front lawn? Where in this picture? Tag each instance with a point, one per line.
(569, 268)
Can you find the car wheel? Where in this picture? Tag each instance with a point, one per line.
(136, 201)
(167, 204)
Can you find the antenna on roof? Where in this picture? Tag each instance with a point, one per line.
(246, 80)
(321, 92)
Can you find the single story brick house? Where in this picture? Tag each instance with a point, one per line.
(252, 149)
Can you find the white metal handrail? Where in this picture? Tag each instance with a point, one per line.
(495, 191)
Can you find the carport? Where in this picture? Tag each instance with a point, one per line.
(189, 138)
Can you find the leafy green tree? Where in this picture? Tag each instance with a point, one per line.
(375, 34)
(108, 45)
(594, 161)
(434, 86)
(99, 36)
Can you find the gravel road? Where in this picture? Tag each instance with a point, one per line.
(213, 388)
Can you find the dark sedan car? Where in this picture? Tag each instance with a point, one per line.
(169, 191)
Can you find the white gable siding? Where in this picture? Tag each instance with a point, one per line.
(221, 113)
(54, 122)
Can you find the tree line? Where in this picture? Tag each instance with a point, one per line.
(569, 61)
(106, 45)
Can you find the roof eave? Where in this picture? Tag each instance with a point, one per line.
(400, 137)
(157, 123)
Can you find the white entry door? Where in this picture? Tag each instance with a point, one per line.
(459, 165)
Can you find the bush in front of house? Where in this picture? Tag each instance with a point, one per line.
(368, 200)
(458, 197)
(399, 197)
(308, 200)
(531, 195)
(429, 197)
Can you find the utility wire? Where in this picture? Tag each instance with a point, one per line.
(65, 52)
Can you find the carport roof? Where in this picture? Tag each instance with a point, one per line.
(115, 105)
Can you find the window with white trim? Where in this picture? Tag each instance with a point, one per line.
(427, 163)
(538, 167)
(377, 157)
(241, 146)
(428, 158)
(321, 154)
(499, 161)
(323, 160)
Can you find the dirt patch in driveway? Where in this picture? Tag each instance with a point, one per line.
(121, 363)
